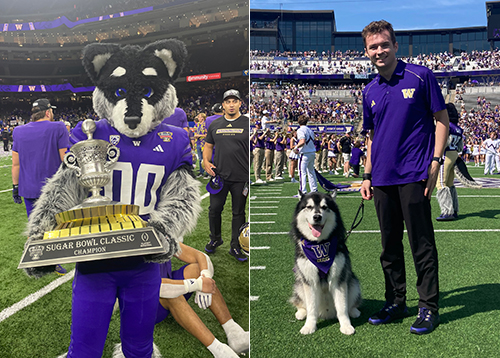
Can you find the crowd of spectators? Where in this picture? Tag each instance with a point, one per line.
(288, 103)
(355, 62)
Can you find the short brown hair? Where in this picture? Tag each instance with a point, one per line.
(303, 119)
(38, 115)
(377, 27)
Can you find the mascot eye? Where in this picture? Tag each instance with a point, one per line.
(120, 92)
(147, 92)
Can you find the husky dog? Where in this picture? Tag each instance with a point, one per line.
(325, 286)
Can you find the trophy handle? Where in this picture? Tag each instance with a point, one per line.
(70, 161)
(113, 155)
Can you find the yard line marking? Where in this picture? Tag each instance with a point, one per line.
(254, 298)
(263, 207)
(251, 214)
(4, 191)
(378, 231)
(9, 311)
(206, 195)
(260, 247)
(266, 202)
(257, 267)
(262, 222)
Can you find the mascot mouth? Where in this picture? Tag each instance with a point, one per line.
(316, 230)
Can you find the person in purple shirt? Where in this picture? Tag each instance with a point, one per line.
(356, 156)
(218, 112)
(270, 142)
(37, 152)
(404, 155)
(178, 119)
(279, 160)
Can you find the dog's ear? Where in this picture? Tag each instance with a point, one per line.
(172, 52)
(301, 195)
(333, 194)
(95, 56)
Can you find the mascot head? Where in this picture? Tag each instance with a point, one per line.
(134, 86)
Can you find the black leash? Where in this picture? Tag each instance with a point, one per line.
(354, 223)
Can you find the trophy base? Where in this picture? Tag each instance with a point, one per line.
(91, 247)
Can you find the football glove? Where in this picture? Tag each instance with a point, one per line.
(15, 194)
(203, 300)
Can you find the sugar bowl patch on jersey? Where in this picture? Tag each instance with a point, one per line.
(165, 136)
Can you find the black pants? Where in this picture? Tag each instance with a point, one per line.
(395, 205)
(5, 145)
(217, 202)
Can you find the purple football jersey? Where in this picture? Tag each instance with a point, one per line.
(144, 164)
(38, 144)
(178, 118)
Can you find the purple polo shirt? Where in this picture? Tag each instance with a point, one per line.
(38, 144)
(356, 155)
(269, 144)
(178, 119)
(401, 113)
(280, 146)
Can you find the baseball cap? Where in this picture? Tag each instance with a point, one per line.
(41, 104)
(231, 93)
(217, 108)
(215, 184)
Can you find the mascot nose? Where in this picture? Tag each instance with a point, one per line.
(132, 122)
(317, 217)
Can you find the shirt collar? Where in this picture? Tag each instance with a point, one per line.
(398, 71)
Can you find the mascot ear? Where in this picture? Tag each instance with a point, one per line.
(95, 57)
(172, 52)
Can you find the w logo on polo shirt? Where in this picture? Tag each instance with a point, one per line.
(408, 93)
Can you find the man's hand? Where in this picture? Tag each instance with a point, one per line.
(431, 182)
(15, 194)
(208, 168)
(366, 190)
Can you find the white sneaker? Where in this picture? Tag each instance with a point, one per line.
(278, 178)
(270, 179)
(336, 172)
(260, 181)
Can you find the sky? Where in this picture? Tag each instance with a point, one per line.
(354, 15)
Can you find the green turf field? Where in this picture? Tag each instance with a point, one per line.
(42, 329)
(469, 253)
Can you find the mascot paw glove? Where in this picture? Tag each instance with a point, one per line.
(15, 194)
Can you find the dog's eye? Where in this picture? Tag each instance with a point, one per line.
(310, 207)
(120, 92)
(324, 207)
(147, 92)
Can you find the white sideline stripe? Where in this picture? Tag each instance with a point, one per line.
(254, 298)
(260, 247)
(263, 207)
(16, 307)
(252, 214)
(4, 191)
(9, 311)
(262, 222)
(378, 231)
(265, 202)
(257, 267)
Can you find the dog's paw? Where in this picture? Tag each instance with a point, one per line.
(355, 313)
(308, 329)
(301, 314)
(347, 329)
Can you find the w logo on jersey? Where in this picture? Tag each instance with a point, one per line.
(408, 93)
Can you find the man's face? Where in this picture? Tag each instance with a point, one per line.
(380, 50)
(231, 106)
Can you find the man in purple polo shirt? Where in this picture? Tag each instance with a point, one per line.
(257, 138)
(37, 152)
(404, 154)
(178, 119)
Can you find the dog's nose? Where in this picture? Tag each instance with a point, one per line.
(317, 217)
(132, 122)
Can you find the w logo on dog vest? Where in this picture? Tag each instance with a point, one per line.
(321, 254)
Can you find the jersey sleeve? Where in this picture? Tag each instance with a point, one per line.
(435, 96)
(209, 138)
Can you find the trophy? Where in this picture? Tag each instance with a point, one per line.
(98, 228)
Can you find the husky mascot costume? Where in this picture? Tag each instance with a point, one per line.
(133, 94)
(446, 192)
